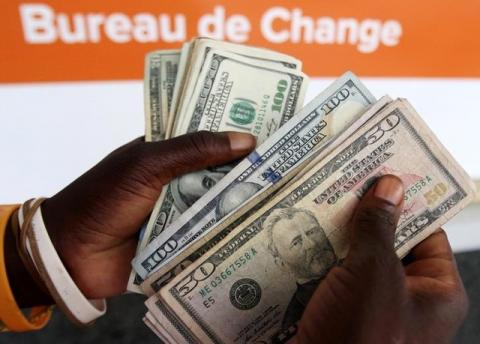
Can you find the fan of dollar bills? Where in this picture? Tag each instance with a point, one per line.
(209, 255)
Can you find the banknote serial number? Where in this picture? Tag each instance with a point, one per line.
(424, 187)
(206, 270)
(417, 188)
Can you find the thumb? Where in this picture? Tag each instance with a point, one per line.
(368, 290)
(373, 226)
(187, 153)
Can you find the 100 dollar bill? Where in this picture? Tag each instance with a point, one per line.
(178, 86)
(198, 52)
(239, 94)
(328, 114)
(159, 81)
(161, 68)
(254, 285)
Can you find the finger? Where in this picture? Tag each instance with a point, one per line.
(373, 225)
(434, 258)
(433, 278)
(171, 158)
(374, 283)
(435, 246)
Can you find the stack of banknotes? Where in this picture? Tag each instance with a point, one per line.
(232, 254)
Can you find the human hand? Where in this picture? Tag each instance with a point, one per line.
(372, 297)
(93, 222)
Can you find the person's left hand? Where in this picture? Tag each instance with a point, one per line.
(94, 221)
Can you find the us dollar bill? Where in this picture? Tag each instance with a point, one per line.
(179, 81)
(239, 94)
(254, 285)
(166, 322)
(159, 81)
(270, 165)
(198, 51)
(158, 326)
(220, 230)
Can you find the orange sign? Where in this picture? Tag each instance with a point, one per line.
(55, 40)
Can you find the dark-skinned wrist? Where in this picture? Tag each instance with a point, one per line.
(26, 291)
(54, 225)
(57, 217)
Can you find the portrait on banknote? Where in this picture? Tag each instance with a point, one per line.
(187, 189)
(234, 196)
(300, 247)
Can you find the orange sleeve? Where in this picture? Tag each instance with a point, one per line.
(11, 317)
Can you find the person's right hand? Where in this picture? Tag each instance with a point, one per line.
(373, 298)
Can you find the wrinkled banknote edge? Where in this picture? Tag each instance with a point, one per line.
(154, 327)
(182, 66)
(477, 193)
(160, 54)
(174, 59)
(177, 331)
(159, 327)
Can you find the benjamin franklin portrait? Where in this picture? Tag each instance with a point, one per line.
(299, 246)
(187, 189)
(234, 196)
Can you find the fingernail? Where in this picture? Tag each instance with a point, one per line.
(390, 189)
(241, 142)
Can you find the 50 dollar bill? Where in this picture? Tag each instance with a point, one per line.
(264, 272)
